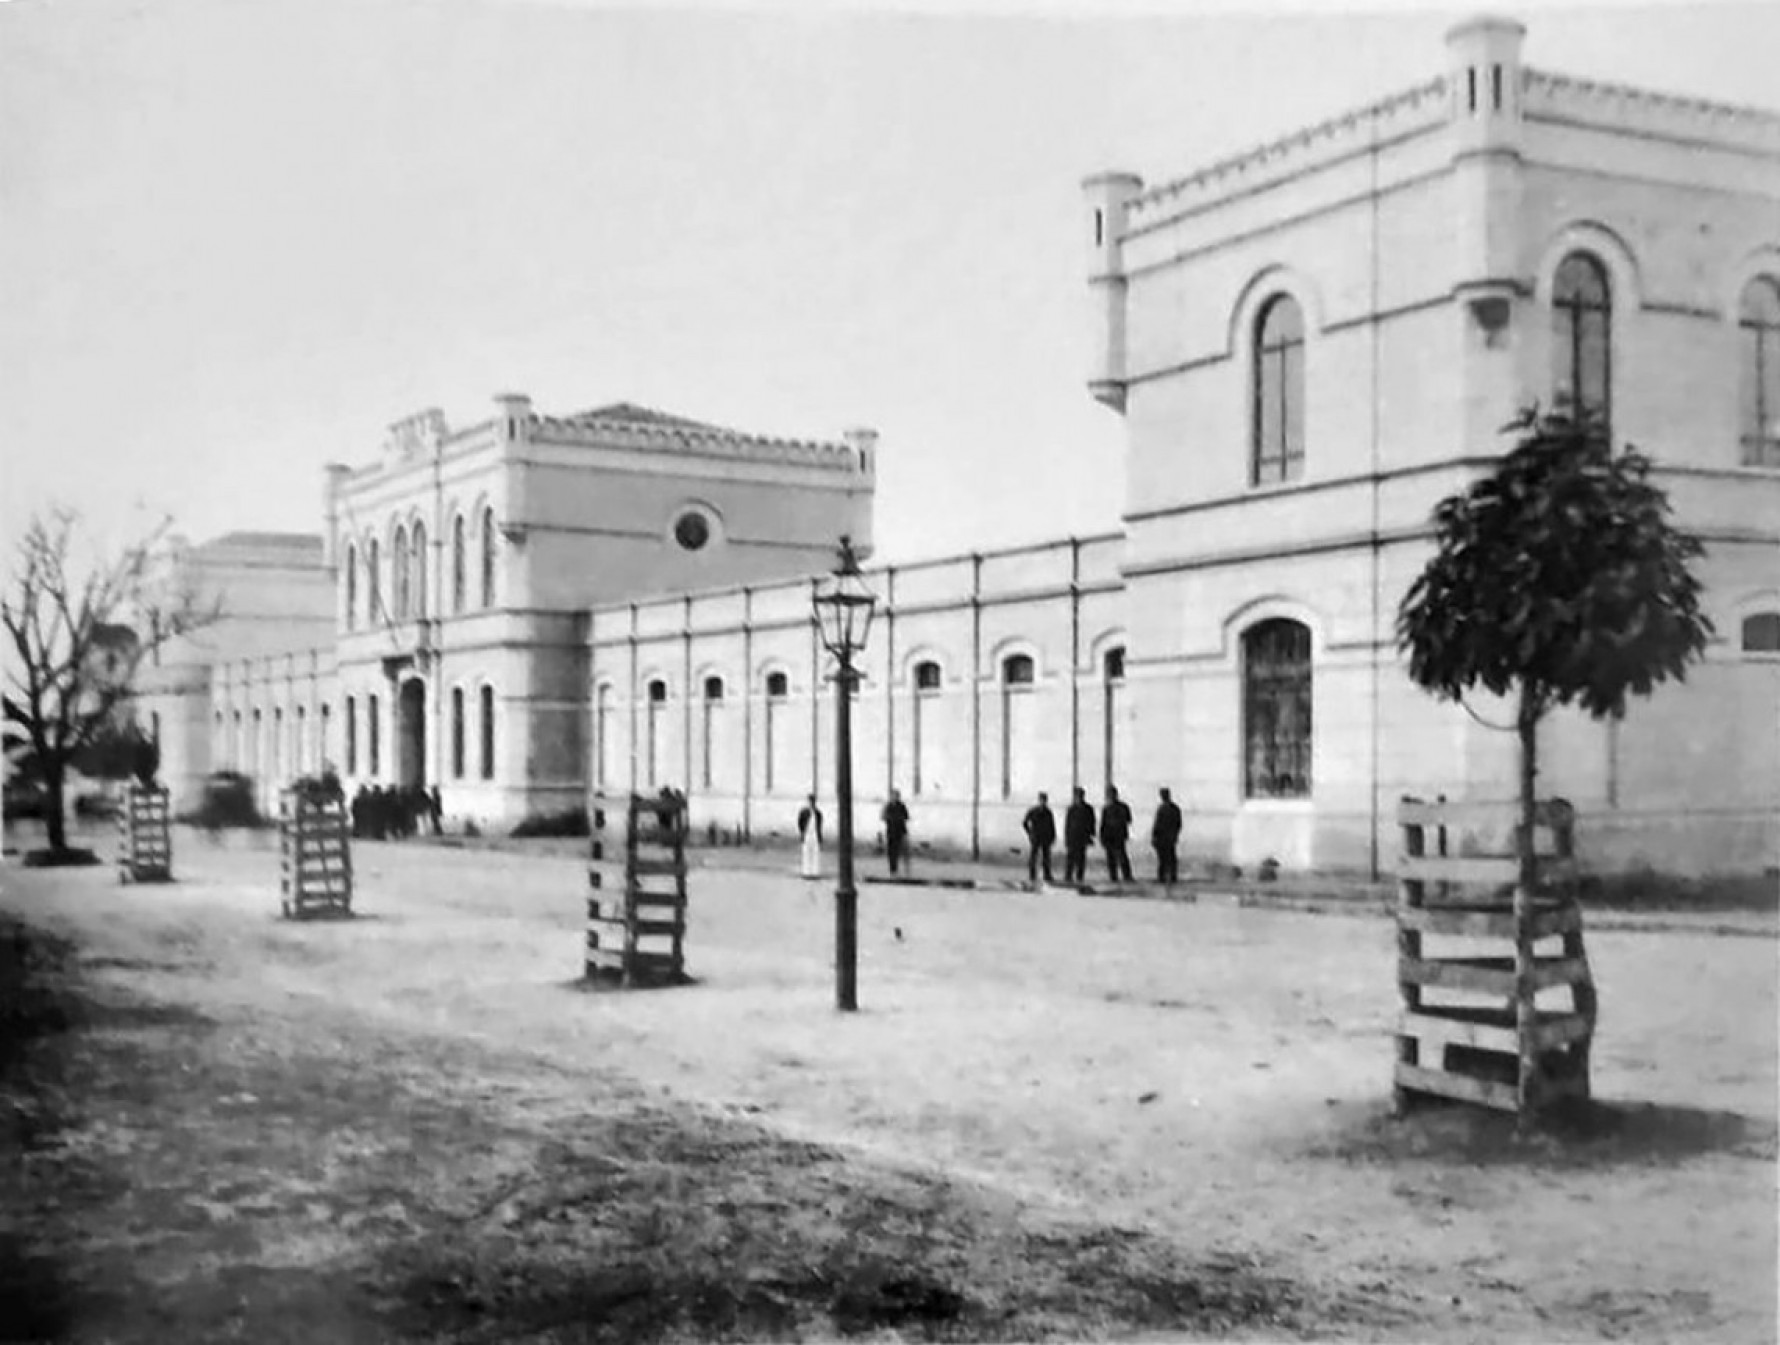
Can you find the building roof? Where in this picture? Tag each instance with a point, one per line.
(645, 427)
(264, 541)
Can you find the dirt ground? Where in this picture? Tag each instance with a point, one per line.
(1055, 1116)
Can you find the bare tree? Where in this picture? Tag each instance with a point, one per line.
(78, 635)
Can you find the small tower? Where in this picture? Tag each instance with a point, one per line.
(337, 472)
(515, 413)
(1108, 197)
(1484, 86)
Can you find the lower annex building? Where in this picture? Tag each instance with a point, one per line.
(1311, 344)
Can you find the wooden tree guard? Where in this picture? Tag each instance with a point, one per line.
(145, 849)
(314, 841)
(639, 938)
(1506, 1053)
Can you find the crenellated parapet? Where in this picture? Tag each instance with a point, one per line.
(646, 431)
(1621, 109)
(1412, 111)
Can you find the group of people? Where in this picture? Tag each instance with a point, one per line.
(1111, 828)
(1082, 828)
(383, 812)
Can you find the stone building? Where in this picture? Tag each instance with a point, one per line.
(1311, 344)
(437, 632)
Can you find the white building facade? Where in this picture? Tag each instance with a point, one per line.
(1312, 344)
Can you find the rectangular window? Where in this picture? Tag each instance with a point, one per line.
(457, 733)
(373, 737)
(487, 727)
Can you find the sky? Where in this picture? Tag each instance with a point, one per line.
(239, 238)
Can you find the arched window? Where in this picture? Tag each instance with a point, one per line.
(457, 733)
(327, 735)
(1276, 710)
(420, 569)
(300, 749)
(1759, 329)
(1761, 633)
(488, 557)
(1581, 340)
(657, 709)
(486, 717)
(927, 688)
(351, 587)
(1018, 722)
(351, 735)
(256, 744)
(398, 574)
(374, 614)
(278, 742)
(778, 690)
(1278, 392)
(373, 738)
(1112, 667)
(457, 564)
(712, 710)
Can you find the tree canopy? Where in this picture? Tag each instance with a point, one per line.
(1560, 576)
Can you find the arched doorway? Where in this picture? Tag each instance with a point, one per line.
(411, 733)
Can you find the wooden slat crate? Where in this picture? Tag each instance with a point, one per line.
(1508, 1053)
(145, 840)
(315, 849)
(638, 936)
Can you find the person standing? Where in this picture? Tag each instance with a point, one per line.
(1115, 834)
(1078, 835)
(435, 808)
(1041, 835)
(1164, 837)
(809, 830)
(896, 831)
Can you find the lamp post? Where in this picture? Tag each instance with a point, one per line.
(843, 609)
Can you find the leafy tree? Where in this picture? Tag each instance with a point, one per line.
(1558, 579)
(77, 635)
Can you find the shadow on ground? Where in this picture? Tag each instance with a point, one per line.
(1581, 1135)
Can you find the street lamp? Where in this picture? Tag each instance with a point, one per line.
(843, 606)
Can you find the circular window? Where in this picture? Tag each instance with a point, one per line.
(692, 531)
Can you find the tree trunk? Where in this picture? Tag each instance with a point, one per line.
(54, 820)
(1524, 845)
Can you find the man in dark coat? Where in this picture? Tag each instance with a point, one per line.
(896, 831)
(1041, 835)
(1078, 835)
(435, 807)
(1164, 836)
(1115, 832)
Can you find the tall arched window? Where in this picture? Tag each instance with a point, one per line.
(927, 687)
(488, 557)
(1279, 392)
(351, 735)
(398, 574)
(1758, 321)
(1276, 710)
(374, 614)
(486, 716)
(373, 738)
(778, 691)
(1018, 720)
(1112, 668)
(277, 742)
(458, 562)
(420, 568)
(1582, 340)
(351, 587)
(457, 733)
(657, 710)
(326, 734)
(713, 707)
(300, 752)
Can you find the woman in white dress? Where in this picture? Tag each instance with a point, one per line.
(809, 829)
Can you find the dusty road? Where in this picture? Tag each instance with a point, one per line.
(1041, 1091)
